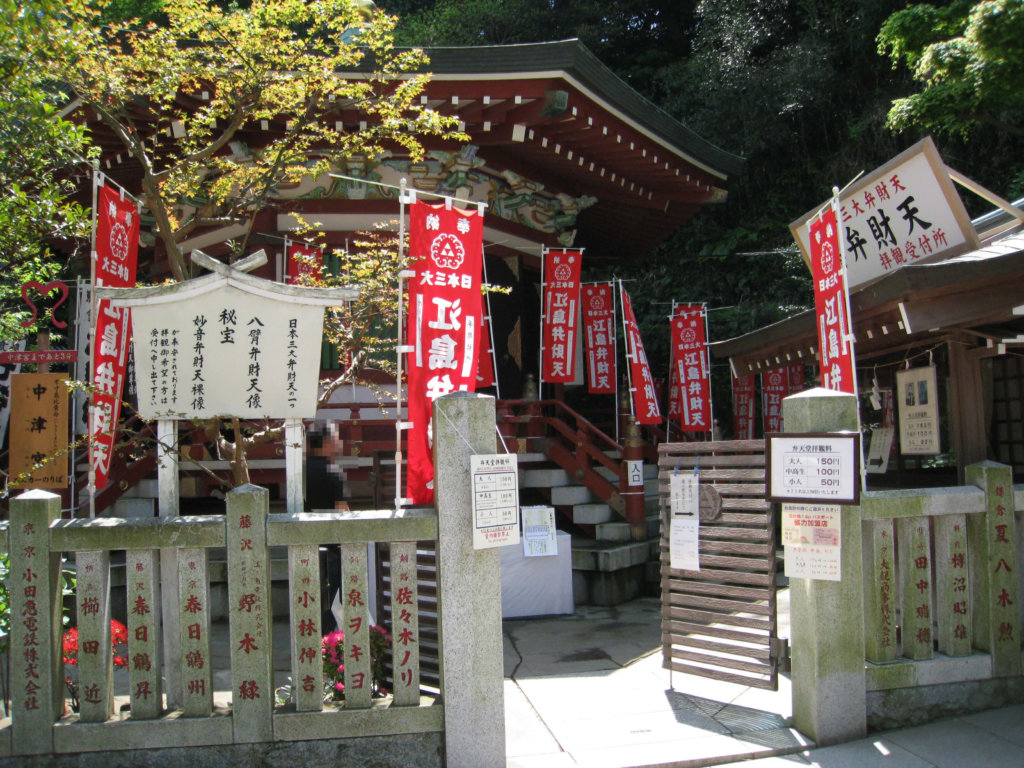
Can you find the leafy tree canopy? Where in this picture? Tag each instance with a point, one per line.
(39, 152)
(178, 96)
(968, 58)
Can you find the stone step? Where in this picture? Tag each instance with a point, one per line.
(593, 513)
(613, 531)
(543, 478)
(128, 507)
(571, 495)
(589, 555)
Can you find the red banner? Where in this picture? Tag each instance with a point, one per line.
(797, 378)
(834, 345)
(303, 259)
(645, 395)
(445, 250)
(599, 335)
(774, 387)
(690, 366)
(485, 366)
(116, 252)
(743, 402)
(561, 305)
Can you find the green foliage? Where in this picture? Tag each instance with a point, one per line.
(969, 60)
(41, 160)
(178, 96)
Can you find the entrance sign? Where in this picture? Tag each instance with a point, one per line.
(495, 499)
(903, 212)
(822, 467)
(227, 344)
(811, 535)
(918, 397)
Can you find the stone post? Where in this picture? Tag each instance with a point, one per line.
(469, 590)
(250, 618)
(993, 568)
(829, 688)
(37, 679)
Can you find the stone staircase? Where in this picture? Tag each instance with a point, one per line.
(608, 566)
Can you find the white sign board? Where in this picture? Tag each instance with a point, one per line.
(495, 479)
(684, 522)
(918, 397)
(901, 213)
(811, 535)
(227, 353)
(823, 467)
(879, 450)
(539, 533)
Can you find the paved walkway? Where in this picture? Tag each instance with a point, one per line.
(588, 690)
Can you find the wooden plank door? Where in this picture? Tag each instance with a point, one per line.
(720, 622)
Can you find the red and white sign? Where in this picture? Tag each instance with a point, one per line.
(690, 364)
(485, 366)
(599, 337)
(445, 248)
(645, 394)
(302, 260)
(743, 402)
(115, 252)
(561, 306)
(830, 305)
(774, 387)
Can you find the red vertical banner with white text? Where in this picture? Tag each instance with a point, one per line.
(774, 387)
(690, 365)
(598, 303)
(561, 307)
(115, 252)
(743, 404)
(485, 366)
(445, 253)
(303, 259)
(830, 305)
(645, 396)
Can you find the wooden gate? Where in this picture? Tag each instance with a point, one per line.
(720, 621)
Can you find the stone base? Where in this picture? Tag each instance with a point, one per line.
(424, 750)
(608, 588)
(901, 707)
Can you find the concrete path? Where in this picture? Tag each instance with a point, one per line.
(588, 690)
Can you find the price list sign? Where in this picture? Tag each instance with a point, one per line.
(822, 467)
(495, 500)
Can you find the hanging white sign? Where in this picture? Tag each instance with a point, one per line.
(495, 484)
(539, 534)
(917, 395)
(684, 522)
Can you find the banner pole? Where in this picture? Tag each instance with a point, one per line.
(672, 373)
(707, 365)
(97, 180)
(402, 349)
(629, 370)
(615, 357)
(543, 309)
(489, 339)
